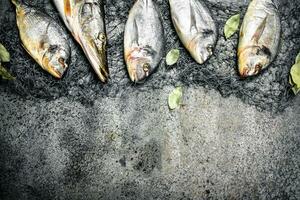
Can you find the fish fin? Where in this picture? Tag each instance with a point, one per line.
(193, 18)
(135, 34)
(17, 3)
(276, 3)
(67, 8)
(266, 51)
(176, 23)
(260, 30)
(147, 3)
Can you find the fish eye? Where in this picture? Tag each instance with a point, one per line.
(52, 48)
(146, 67)
(209, 48)
(258, 67)
(61, 61)
(257, 52)
(102, 36)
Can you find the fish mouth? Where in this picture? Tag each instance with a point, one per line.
(133, 74)
(248, 72)
(58, 70)
(56, 67)
(249, 65)
(200, 59)
(137, 75)
(200, 53)
(138, 65)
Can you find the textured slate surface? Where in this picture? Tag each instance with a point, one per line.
(79, 139)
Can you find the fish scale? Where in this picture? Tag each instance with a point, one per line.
(43, 39)
(195, 27)
(259, 37)
(85, 20)
(143, 40)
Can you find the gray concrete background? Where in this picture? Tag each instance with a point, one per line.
(78, 139)
(135, 148)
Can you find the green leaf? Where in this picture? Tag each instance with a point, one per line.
(5, 74)
(172, 57)
(295, 77)
(297, 58)
(231, 26)
(175, 98)
(4, 54)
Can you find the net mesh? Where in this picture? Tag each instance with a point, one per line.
(268, 91)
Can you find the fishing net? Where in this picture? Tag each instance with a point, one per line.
(268, 91)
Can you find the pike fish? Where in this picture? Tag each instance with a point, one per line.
(195, 27)
(43, 39)
(259, 37)
(85, 20)
(143, 40)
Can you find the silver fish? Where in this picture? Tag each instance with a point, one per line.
(195, 27)
(43, 39)
(259, 37)
(85, 20)
(143, 40)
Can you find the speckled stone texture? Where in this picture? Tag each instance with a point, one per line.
(78, 139)
(135, 148)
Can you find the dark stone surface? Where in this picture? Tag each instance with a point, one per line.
(78, 139)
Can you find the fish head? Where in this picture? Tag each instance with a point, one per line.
(55, 60)
(202, 46)
(253, 60)
(90, 33)
(95, 49)
(140, 63)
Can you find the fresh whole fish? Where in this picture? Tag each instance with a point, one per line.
(195, 27)
(143, 40)
(259, 37)
(43, 39)
(85, 20)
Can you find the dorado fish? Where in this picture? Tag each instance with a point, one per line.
(85, 20)
(195, 27)
(259, 37)
(143, 40)
(43, 39)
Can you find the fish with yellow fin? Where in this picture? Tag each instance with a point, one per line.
(43, 38)
(259, 37)
(85, 20)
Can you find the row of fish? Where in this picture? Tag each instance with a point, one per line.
(44, 39)
(46, 42)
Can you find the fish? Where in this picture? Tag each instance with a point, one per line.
(259, 37)
(43, 38)
(143, 40)
(195, 28)
(85, 20)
